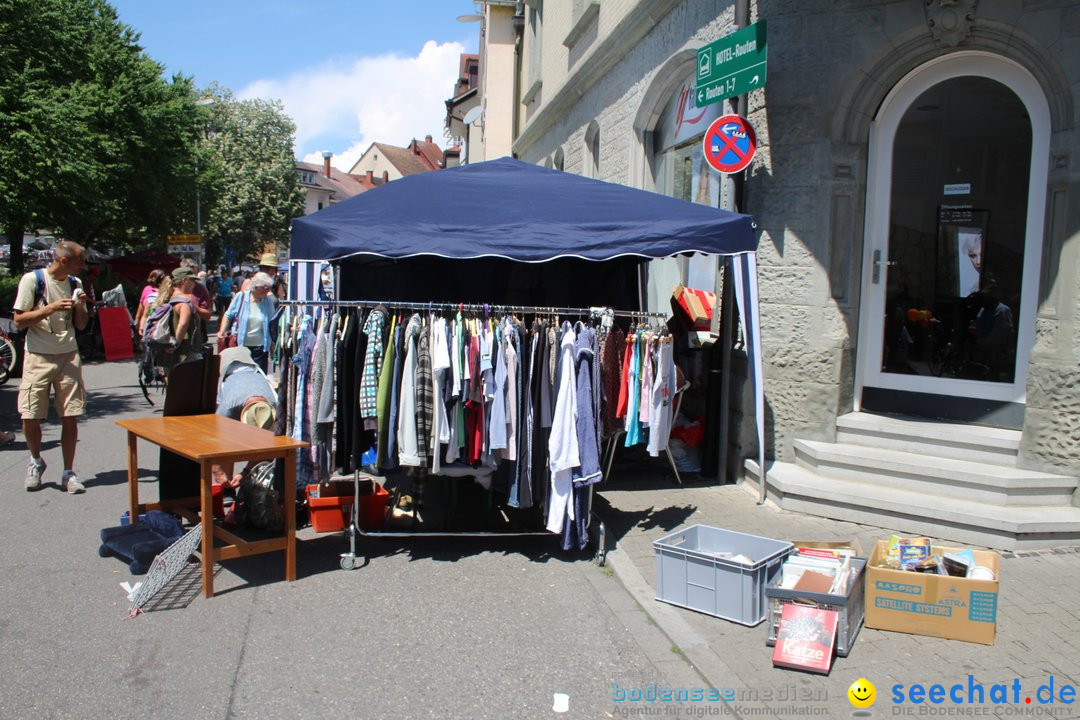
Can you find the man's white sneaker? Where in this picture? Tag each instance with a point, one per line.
(72, 484)
(34, 470)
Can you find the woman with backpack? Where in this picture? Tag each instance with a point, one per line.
(249, 317)
(181, 340)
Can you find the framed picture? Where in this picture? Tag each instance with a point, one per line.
(961, 250)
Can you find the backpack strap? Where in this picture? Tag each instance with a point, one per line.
(39, 285)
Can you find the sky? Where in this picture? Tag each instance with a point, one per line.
(349, 72)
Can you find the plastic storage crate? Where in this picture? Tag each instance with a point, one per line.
(850, 608)
(694, 570)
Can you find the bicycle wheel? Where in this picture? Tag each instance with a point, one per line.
(7, 359)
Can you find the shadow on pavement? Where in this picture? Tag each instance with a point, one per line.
(103, 403)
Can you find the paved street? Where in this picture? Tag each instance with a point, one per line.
(462, 628)
(448, 629)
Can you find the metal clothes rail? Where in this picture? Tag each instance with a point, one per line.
(490, 308)
(596, 525)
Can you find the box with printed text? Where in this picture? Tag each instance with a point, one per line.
(942, 606)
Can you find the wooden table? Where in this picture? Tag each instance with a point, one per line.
(209, 440)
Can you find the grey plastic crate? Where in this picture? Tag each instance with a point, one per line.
(692, 571)
(850, 608)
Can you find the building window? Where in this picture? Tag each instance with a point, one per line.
(592, 151)
(585, 13)
(535, 52)
(560, 158)
(320, 205)
(307, 178)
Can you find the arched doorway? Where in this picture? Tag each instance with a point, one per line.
(956, 189)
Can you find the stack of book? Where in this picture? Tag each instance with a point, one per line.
(818, 570)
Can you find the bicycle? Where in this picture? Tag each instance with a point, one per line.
(9, 356)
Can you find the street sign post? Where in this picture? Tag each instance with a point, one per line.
(729, 144)
(732, 65)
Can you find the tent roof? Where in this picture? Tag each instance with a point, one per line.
(510, 209)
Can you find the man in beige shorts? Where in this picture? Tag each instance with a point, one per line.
(51, 305)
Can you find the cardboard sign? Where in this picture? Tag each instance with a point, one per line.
(935, 605)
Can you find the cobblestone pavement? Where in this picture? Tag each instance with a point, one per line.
(1038, 628)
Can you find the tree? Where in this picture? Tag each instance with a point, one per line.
(250, 187)
(93, 141)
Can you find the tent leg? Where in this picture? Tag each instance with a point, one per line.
(727, 338)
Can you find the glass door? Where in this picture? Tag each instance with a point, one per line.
(956, 188)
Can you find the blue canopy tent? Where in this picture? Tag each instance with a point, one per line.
(512, 211)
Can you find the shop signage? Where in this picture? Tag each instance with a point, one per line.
(732, 65)
(729, 144)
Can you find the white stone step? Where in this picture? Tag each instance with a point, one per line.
(946, 477)
(896, 509)
(943, 439)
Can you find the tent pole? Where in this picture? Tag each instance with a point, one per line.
(727, 338)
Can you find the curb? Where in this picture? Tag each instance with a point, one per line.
(701, 657)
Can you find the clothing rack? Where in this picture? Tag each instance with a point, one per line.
(478, 307)
(596, 524)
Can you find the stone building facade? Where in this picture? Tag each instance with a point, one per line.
(899, 142)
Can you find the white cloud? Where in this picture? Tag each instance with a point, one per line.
(345, 105)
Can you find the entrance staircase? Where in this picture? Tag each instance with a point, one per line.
(949, 481)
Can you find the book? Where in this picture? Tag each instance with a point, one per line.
(806, 638)
(815, 582)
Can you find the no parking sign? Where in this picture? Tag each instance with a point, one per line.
(729, 144)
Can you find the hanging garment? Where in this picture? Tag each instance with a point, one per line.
(382, 398)
(374, 330)
(395, 385)
(360, 441)
(563, 445)
(624, 380)
(346, 391)
(408, 444)
(457, 399)
(648, 347)
(424, 393)
(497, 424)
(440, 370)
(633, 425)
(588, 441)
(513, 380)
(662, 398)
(611, 353)
(474, 406)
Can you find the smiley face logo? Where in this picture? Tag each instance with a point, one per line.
(862, 693)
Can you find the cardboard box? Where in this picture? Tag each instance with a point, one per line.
(696, 305)
(933, 605)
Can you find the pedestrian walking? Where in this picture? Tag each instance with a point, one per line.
(249, 319)
(51, 305)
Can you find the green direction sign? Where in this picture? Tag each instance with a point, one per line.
(732, 65)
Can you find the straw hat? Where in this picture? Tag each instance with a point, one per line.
(258, 413)
(268, 260)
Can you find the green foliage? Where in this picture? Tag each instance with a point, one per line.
(93, 141)
(8, 287)
(248, 177)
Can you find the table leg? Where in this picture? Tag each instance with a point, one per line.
(206, 495)
(289, 498)
(133, 476)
